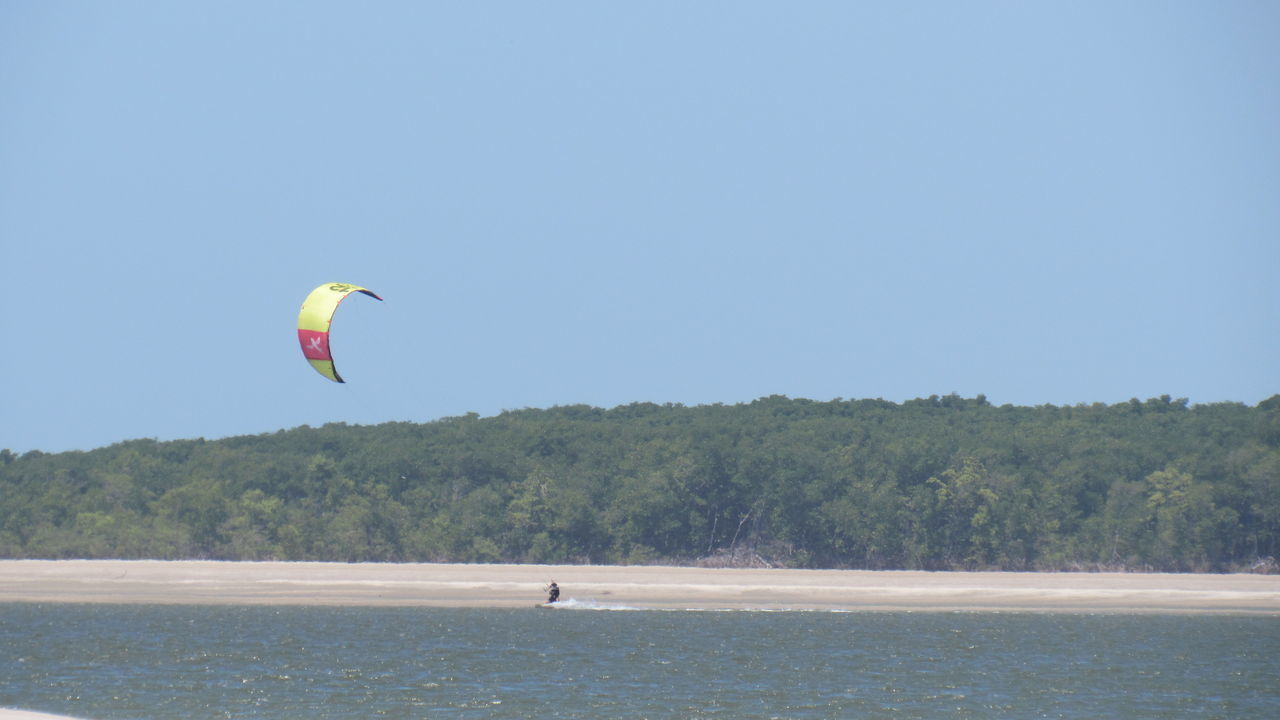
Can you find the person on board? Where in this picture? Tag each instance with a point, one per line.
(553, 593)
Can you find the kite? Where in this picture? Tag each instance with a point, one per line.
(313, 324)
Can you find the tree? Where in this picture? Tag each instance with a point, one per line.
(1187, 524)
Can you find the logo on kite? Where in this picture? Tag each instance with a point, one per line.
(314, 320)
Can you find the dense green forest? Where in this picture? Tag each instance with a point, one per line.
(935, 483)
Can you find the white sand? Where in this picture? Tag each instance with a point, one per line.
(373, 584)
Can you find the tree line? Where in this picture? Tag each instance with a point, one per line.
(934, 483)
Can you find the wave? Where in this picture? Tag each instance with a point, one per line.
(591, 604)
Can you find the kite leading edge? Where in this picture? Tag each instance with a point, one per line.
(314, 320)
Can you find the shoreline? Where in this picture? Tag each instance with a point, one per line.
(205, 582)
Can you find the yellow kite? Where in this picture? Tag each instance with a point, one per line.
(313, 324)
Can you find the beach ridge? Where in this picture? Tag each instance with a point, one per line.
(657, 587)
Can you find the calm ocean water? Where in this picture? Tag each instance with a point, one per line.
(106, 662)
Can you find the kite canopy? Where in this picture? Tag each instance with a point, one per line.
(313, 324)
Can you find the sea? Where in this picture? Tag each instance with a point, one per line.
(587, 660)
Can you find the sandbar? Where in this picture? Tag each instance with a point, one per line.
(639, 587)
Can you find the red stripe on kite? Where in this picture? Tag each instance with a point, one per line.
(315, 345)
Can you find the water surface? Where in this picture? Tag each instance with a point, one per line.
(115, 662)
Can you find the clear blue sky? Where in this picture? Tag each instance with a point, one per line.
(607, 202)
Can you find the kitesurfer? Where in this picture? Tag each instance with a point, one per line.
(553, 593)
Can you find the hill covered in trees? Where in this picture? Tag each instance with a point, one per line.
(935, 483)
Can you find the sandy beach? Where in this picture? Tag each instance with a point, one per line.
(644, 587)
